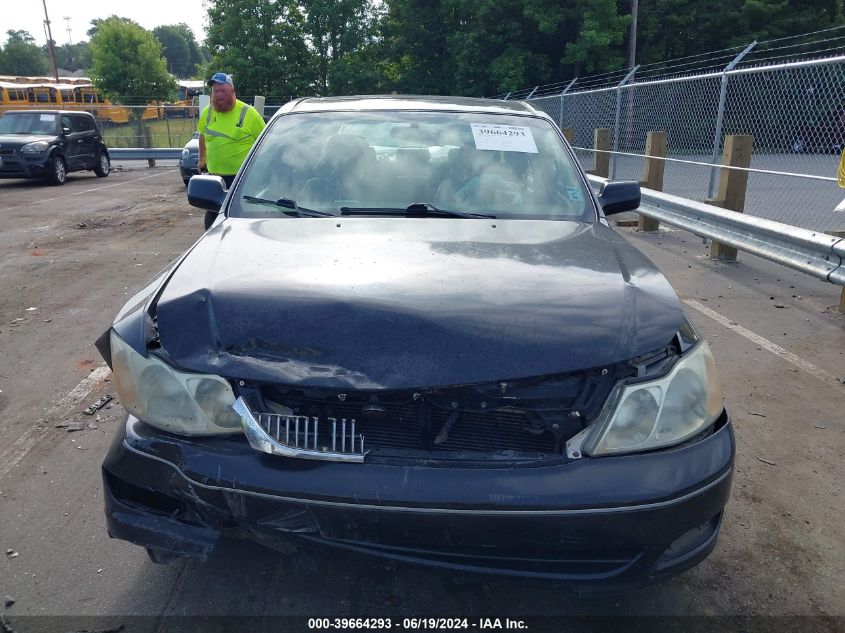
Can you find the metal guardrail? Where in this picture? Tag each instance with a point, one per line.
(810, 252)
(145, 153)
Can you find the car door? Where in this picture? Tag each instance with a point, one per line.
(72, 143)
(87, 141)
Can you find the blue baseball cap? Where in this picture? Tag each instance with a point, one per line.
(221, 78)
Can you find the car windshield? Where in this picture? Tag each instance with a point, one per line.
(28, 123)
(417, 163)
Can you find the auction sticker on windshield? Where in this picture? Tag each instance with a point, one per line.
(506, 138)
(48, 117)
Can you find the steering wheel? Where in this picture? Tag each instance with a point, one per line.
(489, 191)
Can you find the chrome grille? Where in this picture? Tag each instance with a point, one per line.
(301, 436)
(300, 431)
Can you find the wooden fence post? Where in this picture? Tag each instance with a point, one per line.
(148, 143)
(655, 145)
(732, 186)
(601, 158)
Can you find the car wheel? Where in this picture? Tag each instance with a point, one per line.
(58, 171)
(103, 166)
(162, 557)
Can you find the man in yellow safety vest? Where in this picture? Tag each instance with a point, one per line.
(228, 128)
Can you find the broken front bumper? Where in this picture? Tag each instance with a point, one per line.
(614, 521)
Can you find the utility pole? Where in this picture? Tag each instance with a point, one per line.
(632, 40)
(67, 23)
(50, 42)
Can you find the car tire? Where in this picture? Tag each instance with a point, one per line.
(103, 166)
(58, 171)
(162, 557)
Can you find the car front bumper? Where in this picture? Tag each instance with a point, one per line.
(611, 522)
(18, 167)
(188, 167)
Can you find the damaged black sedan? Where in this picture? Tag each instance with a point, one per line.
(411, 332)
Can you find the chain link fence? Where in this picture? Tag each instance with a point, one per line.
(149, 126)
(165, 125)
(795, 112)
(153, 125)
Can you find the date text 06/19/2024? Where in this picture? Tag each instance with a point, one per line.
(417, 624)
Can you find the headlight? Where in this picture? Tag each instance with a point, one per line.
(34, 148)
(188, 404)
(185, 153)
(659, 413)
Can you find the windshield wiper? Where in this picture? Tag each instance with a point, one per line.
(415, 210)
(290, 207)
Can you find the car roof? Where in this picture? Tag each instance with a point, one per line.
(69, 112)
(409, 102)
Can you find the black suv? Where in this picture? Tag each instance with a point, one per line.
(49, 144)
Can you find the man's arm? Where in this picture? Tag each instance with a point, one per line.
(255, 123)
(202, 165)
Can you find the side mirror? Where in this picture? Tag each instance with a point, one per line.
(66, 131)
(206, 192)
(616, 197)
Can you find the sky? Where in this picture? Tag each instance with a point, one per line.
(28, 15)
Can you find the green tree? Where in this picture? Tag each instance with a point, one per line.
(496, 46)
(670, 29)
(416, 46)
(127, 63)
(335, 29)
(261, 43)
(175, 49)
(128, 66)
(599, 45)
(22, 56)
(194, 50)
(770, 19)
(73, 57)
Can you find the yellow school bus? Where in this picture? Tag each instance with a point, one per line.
(85, 97)
(71, 94)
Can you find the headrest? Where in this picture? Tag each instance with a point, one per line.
(344, 148)
(418, 155)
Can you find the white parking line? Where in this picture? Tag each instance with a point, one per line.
(13, 455)
(79, 193)
(765, 343)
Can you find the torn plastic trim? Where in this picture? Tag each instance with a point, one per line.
(261, 438)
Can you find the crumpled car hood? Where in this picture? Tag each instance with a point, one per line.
(389, 303)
